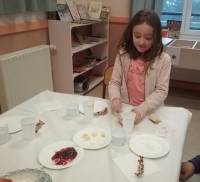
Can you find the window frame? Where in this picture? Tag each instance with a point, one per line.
(186, 16)
(187, 12)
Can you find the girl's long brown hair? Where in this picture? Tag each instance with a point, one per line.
(126, 42)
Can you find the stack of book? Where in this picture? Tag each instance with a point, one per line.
(72, 12)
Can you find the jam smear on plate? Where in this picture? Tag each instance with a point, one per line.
(64, 156)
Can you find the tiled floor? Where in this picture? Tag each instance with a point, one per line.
(191, 101)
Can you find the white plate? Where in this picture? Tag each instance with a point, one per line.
(14, 123)
(92, 138)
(28, 175)
(98, 106)
(149, 146)
(47, 152)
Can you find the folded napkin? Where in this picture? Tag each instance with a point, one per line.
(128, 165)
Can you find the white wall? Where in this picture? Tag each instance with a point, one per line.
(118, 7)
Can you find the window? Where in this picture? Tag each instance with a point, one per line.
(187, 11)
(172, 10)
(195, 15)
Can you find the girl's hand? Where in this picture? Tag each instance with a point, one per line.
(116, 105)
(137, 117)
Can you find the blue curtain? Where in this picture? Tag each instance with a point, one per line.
(17, 6)
(155, 5)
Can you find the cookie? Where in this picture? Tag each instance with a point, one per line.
(154, 118)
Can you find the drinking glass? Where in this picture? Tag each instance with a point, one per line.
(88, 107)
(118, 136)
(128, 119)
(72, 111)
(4, 135)
(28, 128)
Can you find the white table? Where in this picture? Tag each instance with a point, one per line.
(96, 165)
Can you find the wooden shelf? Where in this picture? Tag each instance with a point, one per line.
(90, 68)
(94, 81)
(82, 47)
(74, 25)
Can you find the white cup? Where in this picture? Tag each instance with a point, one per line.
(88, 107)
(28, 128)
(128, 119)
(4, 135)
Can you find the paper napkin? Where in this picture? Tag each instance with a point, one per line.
(128, 165)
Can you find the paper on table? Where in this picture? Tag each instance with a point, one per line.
(99, 106)
(128, 165)
(42, 107)
(14, 123)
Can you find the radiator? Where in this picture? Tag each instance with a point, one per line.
(24, 74)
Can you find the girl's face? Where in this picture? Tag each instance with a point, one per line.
(142, 37)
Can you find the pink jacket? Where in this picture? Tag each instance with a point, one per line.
(156, 82)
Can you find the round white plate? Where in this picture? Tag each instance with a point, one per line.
(92, 138)
(48, 151)
(14, 123)
(149, 146)
(98, 106)
(28, 175)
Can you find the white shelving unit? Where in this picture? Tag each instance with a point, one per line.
(68, 55)
(185, 56)
(184, 53)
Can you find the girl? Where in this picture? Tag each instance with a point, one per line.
(142, 70)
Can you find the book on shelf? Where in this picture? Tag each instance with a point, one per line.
(90, 14)
(63, 13)
(77, 39)
(81, 14)
(105, 12)
(94, 10)
(91, 39)
(83, 39)
(81, 69)
(84, 62)
(73, 10)
(174, 27)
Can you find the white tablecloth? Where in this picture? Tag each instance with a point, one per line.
(96, 165)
